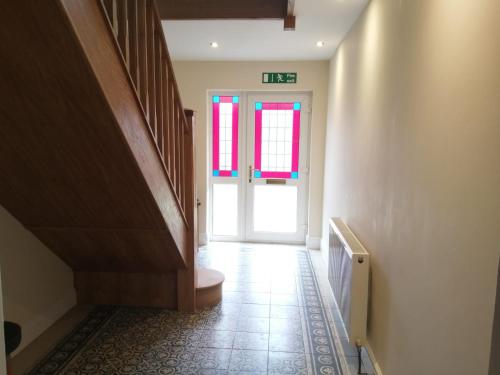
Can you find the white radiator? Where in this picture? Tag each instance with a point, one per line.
(348, 272)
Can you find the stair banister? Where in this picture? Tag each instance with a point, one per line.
(139, 39)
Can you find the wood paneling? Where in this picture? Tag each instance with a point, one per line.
(208, 288)
(112, 250)
(78, 163)
(115, 83)
(133, 289)
(157, 111)
(222, 9)
(187, 277)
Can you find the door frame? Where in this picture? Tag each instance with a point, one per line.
(243, 162)
(302, 183)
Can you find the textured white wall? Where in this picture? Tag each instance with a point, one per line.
(412, 166)
(37, 285)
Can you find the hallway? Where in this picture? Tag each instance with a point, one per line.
(157, 155)
(273, 320)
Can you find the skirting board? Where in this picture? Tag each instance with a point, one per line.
(313, 242)
(375, 364)
(202, 239)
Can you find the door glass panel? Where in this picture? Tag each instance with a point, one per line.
(225, 136)
(277, 137)
(275, 208)
(225, 209)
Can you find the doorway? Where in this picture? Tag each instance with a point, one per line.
(258, 163)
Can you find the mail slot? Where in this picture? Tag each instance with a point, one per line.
(275, 181)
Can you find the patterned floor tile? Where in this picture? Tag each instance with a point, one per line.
(256, 298)
(270, 322)
(217, 359)
(255, 311)
(232, 297)
(288, 326)
(284, 289)
(248, 361)
(285, 312)
(284, 299)
(231, 309)
(222, 323)
(287, 363)
(183, 337)
(247, 324)
(251, 341)
(217, 339)
(212, 372)
(279, 342)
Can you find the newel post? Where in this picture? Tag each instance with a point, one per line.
(187, 278)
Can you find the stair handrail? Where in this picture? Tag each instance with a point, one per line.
(139, 38)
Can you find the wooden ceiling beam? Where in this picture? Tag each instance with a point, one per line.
(289, 20)
(222, 9)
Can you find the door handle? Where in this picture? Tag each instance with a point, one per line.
(250, 170)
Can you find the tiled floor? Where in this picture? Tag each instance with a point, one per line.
(272, 320)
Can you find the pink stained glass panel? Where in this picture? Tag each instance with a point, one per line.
(277, 140)
(225, 110)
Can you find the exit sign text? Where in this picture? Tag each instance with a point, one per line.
(279, 77)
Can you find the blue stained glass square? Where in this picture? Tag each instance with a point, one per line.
(295, 175)
(234, 173)
(216, 99)
(236, 99)
(258, 106)
(216, 172)
(296, 106)
(257, 174)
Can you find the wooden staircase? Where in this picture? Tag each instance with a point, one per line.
(97, 153)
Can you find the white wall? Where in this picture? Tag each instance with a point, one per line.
(196, 78)
(37, 286)
(412, 165)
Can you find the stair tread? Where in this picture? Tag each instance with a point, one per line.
(208, 278)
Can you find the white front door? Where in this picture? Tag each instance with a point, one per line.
(276, 187)
(259, 166)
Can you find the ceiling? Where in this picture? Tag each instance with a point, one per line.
(261, 40)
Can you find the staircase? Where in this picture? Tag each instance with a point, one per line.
(97, 151)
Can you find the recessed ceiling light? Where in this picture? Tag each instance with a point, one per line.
(214, 44)
(320, 43)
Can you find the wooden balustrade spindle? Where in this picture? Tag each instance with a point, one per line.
(171, 120)
(166, 123)
(182, 127)
(159, 92)
(123, 29)
(178, 165)
(139, 37)
(142, 55)
(150, 23)
(109, 7)
(133, 43)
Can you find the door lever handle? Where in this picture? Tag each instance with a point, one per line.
(250, 170)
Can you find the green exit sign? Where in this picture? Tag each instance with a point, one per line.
(279, 77)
